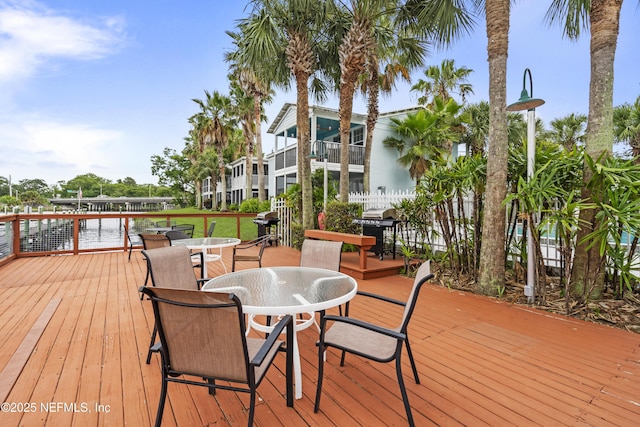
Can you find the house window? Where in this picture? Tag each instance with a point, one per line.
(291, 157)
(357, 136)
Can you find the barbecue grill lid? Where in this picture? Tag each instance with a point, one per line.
(379, 213)
(267, 215)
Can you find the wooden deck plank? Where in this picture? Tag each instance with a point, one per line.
(481, 361)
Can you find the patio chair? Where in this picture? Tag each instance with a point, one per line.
(166, 223)
(185, 228)
(176, 235)
(321, 254)
(153, 241)
(171, 267)
(203, 336)
(260, 242)
(371, 341)
(212, 226)
(137, 227)
(197, 257)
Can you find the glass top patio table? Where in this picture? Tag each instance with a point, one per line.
(277, 291)
(286, 290)
(206, 243)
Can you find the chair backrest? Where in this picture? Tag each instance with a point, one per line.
(176, 235)
(185, 228)
(140, 225)
(171, 267)
(153, 241)
(202, 333)
(321, 254)
(422, 275)
(166, 223)
(212, 226)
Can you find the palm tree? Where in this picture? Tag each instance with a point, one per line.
(364, 31)
(602, 17)
(395, 55)
(443, 81)
(255, 80)
(568, 131)
(424, 136)
(215, 124)
(477, 132)
(453, 18)
(242, 106)
(626, 122)
(287, 33)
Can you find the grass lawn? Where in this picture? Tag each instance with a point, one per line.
(225, 226)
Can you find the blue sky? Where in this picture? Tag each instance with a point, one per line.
(101, 86)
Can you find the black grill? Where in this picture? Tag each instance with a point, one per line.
(374, 222)
(265, 220)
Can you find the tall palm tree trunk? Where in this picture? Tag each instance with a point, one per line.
(257, 110)
(587, 278)
(492, 268)
(373, 89)
(352, 55)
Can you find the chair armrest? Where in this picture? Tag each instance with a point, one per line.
(375, 328)
(286, 321)
(381, 298)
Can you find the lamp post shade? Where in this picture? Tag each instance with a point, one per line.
(526, 102)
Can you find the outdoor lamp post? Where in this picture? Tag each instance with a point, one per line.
(317, 156)
(529, 103)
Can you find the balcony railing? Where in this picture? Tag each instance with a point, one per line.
(73, 233)
(287, 156)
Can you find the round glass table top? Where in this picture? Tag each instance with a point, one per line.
(278, 290)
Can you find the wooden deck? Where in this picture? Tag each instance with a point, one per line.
(482, 362)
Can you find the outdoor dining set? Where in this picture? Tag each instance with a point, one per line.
(225, 332)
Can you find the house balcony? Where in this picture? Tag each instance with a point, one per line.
(287, 157)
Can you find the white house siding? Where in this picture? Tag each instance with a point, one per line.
(386, 172)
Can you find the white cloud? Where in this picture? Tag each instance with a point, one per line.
(31, 36)
(50, 150)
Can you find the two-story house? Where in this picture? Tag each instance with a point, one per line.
(281, 164)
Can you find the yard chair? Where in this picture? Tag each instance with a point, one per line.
(212, 227)
(260, 243)
(197, 257)
(176, 235)
(373, 342)
(203, 336)
(136, 227)
(153, 241)
(166, 223)
(187, 229)
(171, 267)
(321, 254)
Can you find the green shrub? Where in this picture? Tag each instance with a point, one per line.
(297, 235)
(340, 217)
(250, 205)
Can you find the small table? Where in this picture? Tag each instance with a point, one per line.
(159, 230)
(206, 243)
(286, 290)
